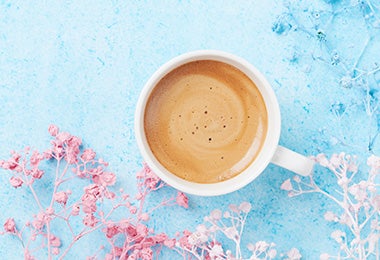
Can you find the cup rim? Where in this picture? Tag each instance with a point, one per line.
(255, 168)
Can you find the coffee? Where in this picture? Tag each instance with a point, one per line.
(205, 121)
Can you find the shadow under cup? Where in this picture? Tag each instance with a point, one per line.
(207, 123)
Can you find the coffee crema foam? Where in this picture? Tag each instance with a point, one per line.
(205, 121)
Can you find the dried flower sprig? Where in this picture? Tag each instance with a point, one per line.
(71, 163)
(359, 202)
(204, 244)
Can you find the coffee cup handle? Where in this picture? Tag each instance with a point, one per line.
(293, 161)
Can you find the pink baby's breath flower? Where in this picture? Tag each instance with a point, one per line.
(109, 195)
(89, 205)
(75, 210)
(170, 243)
(182, 200)
(111, 231)
(27, 255)
(146, 254)
(10, 226)
(184, 241)
(55, 241)
(53, 130)
(94, 190)
(61, 197)
(132, 209)
(107, 179)
(90, 220)
(144, 217)
(39, 221)
(131, 231)
(62, 137)
(142, 230)
(35, 158)
(88, 155)
(55, 251)
(287, 185)
(37, 173)
(16, 181)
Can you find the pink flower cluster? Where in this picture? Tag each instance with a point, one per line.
(129, 238)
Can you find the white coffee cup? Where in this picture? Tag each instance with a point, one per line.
(270, 152)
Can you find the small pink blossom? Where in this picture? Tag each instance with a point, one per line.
(94, 191)
(75, 210)
(182, 200)
(146, 254)
(89, 220)
(107, 179)
(287, 185)
(170, 243)
(27, 255)
(39, 221)
(88, 155)
(131, 231)
(53, 130)
(61, 197)
(132, 210)
(55, 251)
(16, 181)
(55, 241)
(142, 230)
(35, 158)
(144, 217)
(89, 205)
(10, 226)
(37, 173)
(184, 241)
(111, 231)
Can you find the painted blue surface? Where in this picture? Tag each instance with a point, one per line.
(82, 65)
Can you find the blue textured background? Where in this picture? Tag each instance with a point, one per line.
(82, 65)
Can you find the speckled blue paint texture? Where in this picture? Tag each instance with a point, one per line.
(82, 65)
